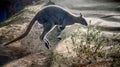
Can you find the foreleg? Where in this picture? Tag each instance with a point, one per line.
(47, 27)
(59, 30)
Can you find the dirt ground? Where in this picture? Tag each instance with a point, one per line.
(30, 52)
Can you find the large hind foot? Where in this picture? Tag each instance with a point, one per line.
(47, 44)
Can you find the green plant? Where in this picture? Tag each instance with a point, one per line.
(92, 45)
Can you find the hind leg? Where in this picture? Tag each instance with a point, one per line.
(47, 27)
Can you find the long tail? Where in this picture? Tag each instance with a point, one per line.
(24, 34)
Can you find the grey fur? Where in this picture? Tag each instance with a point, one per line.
(50, 16)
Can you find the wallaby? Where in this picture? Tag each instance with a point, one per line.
(50, 16)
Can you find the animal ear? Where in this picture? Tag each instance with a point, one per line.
(80, 15)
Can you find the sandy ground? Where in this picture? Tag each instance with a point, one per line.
(30, 51)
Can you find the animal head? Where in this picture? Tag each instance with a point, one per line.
(81, 20)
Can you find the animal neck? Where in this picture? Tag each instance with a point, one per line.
(73, 19)
(76, 19)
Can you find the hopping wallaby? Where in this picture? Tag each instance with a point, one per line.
(50, 16)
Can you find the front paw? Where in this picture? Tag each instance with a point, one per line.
(59, 38)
